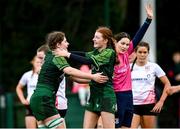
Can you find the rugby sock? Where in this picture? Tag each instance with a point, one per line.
(41, 126)
(55, 123)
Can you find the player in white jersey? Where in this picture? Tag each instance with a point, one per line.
(29, 79)
(61, 100)
(143, 76)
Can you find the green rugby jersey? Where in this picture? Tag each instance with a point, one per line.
(104, 62)
(51, 71)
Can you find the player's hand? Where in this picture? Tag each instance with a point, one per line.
(158, 107)
(149, 11)
(98, 77)
(25, 102)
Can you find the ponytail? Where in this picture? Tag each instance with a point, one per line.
(133, 64)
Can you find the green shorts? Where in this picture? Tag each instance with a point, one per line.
(42, 103)
(99, 104)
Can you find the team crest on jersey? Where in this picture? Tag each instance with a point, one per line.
(148, 75)
(147, 68)
(97, 105)
(87, 103)
(114, 107)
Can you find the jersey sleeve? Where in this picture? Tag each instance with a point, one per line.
(24, 79)
(81, 59)
(159, 71)
(60, 62)
(141, 32)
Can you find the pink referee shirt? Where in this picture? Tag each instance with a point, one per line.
(122, 72)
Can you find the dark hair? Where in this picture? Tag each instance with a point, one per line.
(121, 35)
(141, 44)
(133, 64)
(53, 38)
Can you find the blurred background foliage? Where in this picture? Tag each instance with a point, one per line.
(24, 25)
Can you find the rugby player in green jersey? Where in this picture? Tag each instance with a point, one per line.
(43, 99)
(102, 59)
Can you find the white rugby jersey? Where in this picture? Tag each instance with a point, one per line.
(61, 100)
(143, 82)
(29, 79)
